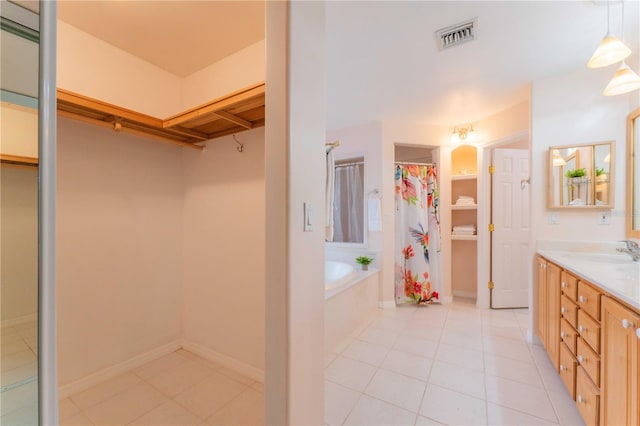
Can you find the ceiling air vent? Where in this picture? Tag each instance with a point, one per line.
(457, 34)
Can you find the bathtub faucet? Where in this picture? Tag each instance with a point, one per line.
(632, 249)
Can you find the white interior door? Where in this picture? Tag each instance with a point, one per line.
(511, 217)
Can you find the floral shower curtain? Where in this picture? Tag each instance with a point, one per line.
(418, 277)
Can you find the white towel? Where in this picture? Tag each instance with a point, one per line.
(374, 214)
(465, 200)
(470, 227)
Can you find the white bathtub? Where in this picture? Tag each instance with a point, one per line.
(351, 297)
(337, 274)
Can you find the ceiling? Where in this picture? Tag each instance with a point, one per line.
(382, 59)
(181, 37)
(381, 56)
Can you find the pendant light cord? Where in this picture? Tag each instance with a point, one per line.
(608, 17)
(622, 29)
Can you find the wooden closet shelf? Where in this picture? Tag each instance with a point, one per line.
(234, 113)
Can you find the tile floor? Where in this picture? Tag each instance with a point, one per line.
(437, 364)
(444, 364)
(177, 389)
(19, 365)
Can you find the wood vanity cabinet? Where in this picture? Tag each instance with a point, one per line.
(619, 370)
(548, 322)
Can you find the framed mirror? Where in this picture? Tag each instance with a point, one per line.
(19, 227)
(581, 176)
(633, 175)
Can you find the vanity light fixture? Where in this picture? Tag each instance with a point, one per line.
(611, 49)
(463, 134)
(557, 158)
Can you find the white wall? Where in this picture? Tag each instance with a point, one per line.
(224, 247)
(119, 247)
(235, 72)
(19, 242)
(94, 68)
(570, 109)
(295, 174)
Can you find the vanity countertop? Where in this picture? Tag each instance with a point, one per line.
(615, 273)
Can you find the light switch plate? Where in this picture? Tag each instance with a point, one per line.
(308, 217)
(554, 219)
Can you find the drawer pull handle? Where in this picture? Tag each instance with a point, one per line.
(581, 359)
(563, 310)
(582, 328)
(638, 332)
(581, 400)
(626, 323)
(563, 334)
(582, 299)
(563, 368)
(563, 285)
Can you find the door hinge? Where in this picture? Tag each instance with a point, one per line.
(492, 169)
(490, 285)
(491, 227)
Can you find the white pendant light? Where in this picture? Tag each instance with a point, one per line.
(623, 81)
(611, 48)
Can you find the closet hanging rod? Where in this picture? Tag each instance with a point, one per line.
(409, 163)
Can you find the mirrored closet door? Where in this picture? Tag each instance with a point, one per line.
(19, 212)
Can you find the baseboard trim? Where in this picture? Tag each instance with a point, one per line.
(117, 369)
(19, 320)
(465, 294)
(387, 304)
(225, 360)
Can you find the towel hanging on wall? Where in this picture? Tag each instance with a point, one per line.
(374, 214)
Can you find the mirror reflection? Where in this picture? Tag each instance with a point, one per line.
(19, 215)
(581, 176)
(633, 172)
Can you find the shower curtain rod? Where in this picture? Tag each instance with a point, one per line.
(409, 163)
(355, 163)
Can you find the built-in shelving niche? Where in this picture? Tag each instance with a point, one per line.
(234, 113)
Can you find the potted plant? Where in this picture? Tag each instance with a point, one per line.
(576, 175)
(364, 262)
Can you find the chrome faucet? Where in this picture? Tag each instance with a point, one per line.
(632, 249)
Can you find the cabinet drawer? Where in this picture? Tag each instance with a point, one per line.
(589, 330)
(569, 335)
(569, 285)
(568, 365)
(569, 311)
(587, 398)
(589, 360)
(589, 300)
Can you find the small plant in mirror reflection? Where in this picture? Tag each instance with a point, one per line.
(574, 173)
(599, 171)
